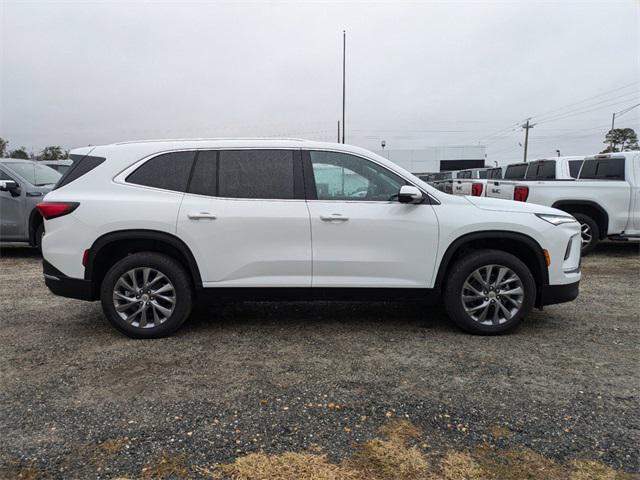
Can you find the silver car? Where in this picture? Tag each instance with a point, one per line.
(23, 183)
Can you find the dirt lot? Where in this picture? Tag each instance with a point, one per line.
(79, 400)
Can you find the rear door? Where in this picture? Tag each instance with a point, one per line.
(245, 219)
(12, 211)
(362, 236)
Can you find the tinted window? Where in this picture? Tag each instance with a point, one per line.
(532, 171)
(256, 174)
(204, 179)
(4, 176)
(464, 174)
(340, 176)
(482, 174)
(495, 173)
(547, 170)
(35, 173)
(603, 169)
(516, 172)
(81, 165)
(169, 171)
(574, 167)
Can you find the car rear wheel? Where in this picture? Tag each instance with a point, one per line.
(489, 292)
(147, 295)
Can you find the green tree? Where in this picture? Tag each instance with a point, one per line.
(3, 147)
(620, 139)
(53, 152)
(19, 153)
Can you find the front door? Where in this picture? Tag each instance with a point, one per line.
(361, 235)
(12, 220)
(245, 219)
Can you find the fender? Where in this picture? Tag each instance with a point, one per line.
(587, 203)
(153, 235)
(469, 238)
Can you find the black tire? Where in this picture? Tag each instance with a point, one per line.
(38, 237)
(171, 269)
(467, 265)
(588, 223)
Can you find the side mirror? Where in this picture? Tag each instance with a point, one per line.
(11, 187)
(409, 194)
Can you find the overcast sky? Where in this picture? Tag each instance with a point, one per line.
(418, 73)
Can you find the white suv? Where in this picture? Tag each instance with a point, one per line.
(150, 227)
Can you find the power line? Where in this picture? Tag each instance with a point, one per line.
(607, 101)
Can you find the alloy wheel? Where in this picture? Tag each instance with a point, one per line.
(492, 294)
(144, 297)
(585, 233)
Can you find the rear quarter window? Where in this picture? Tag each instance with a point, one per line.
(81, 166)
(168, 171)
(603, 169)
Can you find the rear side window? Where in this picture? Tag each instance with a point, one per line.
(541, 170)
(264, 174)
(574, 167)
(516, 172)
(482, 174)
(603, 169)
(169, 171)
(81, 165)
(204, 179)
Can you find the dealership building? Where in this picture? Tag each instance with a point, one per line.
(437, 159)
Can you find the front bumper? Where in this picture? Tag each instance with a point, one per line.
(552, 294)
(64, 286)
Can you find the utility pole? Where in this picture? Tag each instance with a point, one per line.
(526, 127)
(344, 64)
(613, 123)
(338, 131)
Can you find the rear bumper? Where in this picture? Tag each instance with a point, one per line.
(64, 286)
(552, 294)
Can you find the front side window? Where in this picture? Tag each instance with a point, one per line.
(35, 173)
(169, 171)
(340, 176)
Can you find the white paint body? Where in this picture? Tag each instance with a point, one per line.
(286, 243)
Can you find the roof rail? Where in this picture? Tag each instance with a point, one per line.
(210, 139)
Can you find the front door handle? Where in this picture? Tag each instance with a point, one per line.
(334, 217)
(201, 216)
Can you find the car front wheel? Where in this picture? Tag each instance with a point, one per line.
(147, 295)
(489, 292)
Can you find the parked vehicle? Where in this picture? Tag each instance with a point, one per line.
(59, 165)
(23, 183)
(470, 182)
(443, 181)
(605, 198)
(558, 168)
(150, 227)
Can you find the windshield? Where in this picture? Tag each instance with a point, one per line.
(35, 173)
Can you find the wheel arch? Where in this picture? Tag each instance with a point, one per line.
(586, 207)
(113, 246)
(523, 246)
(35, 220)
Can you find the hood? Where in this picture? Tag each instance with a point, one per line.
(500, 205)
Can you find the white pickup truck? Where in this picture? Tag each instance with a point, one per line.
(605, 198)
(474, 182)
(544, 169)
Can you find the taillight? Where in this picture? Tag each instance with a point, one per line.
(476, 189)
(51, 210)
(520, 193)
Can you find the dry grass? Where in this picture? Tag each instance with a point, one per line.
(392, 458)
(165, 466)
(113, 445)
(500, 431)
(288, 466)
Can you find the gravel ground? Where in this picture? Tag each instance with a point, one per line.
(79, 400)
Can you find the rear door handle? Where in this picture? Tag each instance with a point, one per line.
(201, 216)
(334, 217)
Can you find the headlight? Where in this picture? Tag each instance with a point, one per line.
(556, 219)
